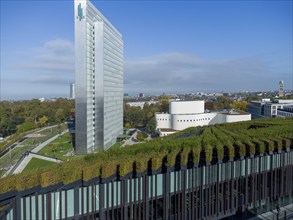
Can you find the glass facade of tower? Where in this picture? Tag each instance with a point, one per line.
(98, 80)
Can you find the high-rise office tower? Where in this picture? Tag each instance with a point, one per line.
(72, 90)
(281, 88)
(98, 80)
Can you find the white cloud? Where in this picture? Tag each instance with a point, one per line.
(177, 72)
(44, 71)
(54, 60)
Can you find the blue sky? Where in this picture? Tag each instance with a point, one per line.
(169, 46)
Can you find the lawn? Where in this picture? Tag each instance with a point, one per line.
(58, 148)
(36, 163)
(29, 144)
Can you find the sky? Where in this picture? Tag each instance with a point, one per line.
(169, 46)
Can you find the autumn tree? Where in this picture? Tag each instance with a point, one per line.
(239, 105)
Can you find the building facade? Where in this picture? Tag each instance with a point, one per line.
(98, 80)
(286, 112)
(185, 114)
(270, 109)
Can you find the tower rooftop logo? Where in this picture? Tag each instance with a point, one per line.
(80, 12)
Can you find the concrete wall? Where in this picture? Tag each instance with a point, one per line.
(186, 107)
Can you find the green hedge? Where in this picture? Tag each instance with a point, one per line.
(241, 139)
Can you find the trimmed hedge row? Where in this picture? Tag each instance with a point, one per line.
(214, 143)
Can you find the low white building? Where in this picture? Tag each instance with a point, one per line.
(185, 114)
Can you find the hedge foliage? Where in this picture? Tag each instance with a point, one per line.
(207, 144)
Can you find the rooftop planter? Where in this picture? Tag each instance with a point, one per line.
(184, 155)
(212, 145)
(278, 144)
(259, 145)
(141, 163)
(269, 145)
(250, 148)
(91, 171)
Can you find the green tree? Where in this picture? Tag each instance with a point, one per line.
(139, 136)
(151, 125)
(164, 103)
(59, 115)
(43, 120)
(239, 105)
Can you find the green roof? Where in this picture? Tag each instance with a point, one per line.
(194, 145)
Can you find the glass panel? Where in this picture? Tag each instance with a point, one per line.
(21, 208)
(159, 185)
(172, 178)
(27, 207)
(90, 199)
(70, 203)
(63, 203)
(33, 200)
(40, 210)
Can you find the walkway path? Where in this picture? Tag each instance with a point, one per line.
(25, 159)
(132, 140)
(42, 145)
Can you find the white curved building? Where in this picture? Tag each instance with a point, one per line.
(185, 114)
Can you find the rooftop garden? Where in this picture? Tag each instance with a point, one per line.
(193, 147)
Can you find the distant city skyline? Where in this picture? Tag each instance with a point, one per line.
(170, 47)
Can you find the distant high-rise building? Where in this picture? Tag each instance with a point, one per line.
(98, 80)
(281, 88)
(141, 95)
(72, 90)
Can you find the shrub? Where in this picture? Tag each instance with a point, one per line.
(241, 147)
(157, 160)
(269, 145)
(126, 166)
(286, 143)
(141, 162)
(50, 177)
(208, 153)
(251, 147)
(8, 184)
(108, 168)
(196, 154)
(90, 172)
(28, 180)
(277, 143)
(260, 147)
(72, 171)
(171, 158)
(220, 152)
(184, 155)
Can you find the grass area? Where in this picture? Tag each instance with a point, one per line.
(36, 163)
(13, 156)
(58, 148)
(29, 144)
